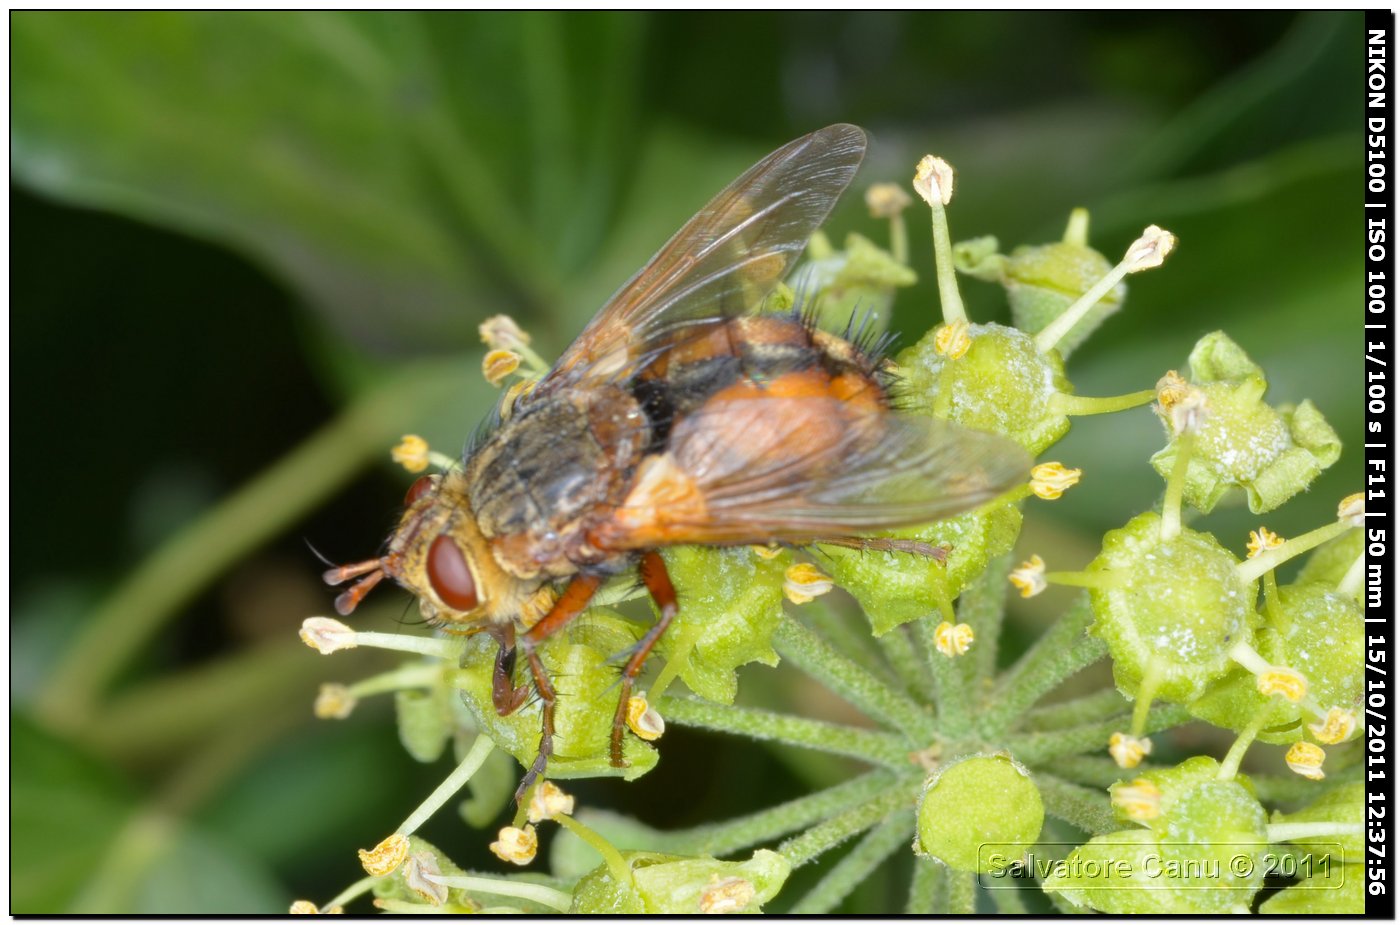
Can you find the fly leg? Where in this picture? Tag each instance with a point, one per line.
(505, 697)
(658, 583)
(570, 604)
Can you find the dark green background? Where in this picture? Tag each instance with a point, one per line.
(226, 228)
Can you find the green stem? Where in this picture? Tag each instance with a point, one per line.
(1058, 654)
(721, 838)
(1088, 709)
(1176, 487)
(868, 745)
(962, 893)
(476, 757)
(1095, 771)
(449, 649)
(982, 605)
(1251, 569)
(1078, 405)
(540, 895)
(849, 633)
(353, 891)
(911, 670)
(948, 295)
(1292, 831)
(1008, 901)
(1081, 807)
(188, 561)
(1231, 765)
(928, 890)
(1037, 748)
(1053, 332)
(856, 866)
(617, 864)
(852, 683)
(819, 839)
(899, 239)
(950, 680)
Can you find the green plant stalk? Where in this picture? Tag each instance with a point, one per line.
(928, 889)
(911, 670)
(1079, 405)
(617, 864)
(1095, 771)
(1292, 831)
(1091, 708)
(1036, 748)
(830, 622)
(821, 838)
(949, 681)
(1081, 807)
(188, 561)
(873, 697)
(852, 870)
(1292, 789)
(1008, 901)
(864, 744)
(721, 838)
(962, 893)
(1061, 652)
(541, 895)
(982, 605)
(476, 757)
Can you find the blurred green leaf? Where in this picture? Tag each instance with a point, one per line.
(66, 809)
(354, 153)
(203, 876)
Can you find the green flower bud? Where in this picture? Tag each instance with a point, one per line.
(1331, 561)
(894, 588)
(670, 885)
(1121, 873)
(583, 677)
(1002, 384)
(863, 276)
(1170, 784)
(1041, 281)
(731, 603)
(1272, 453)
(1333, 890)
(1324, 641)
(424, 719)
(1203, 853)
(980, 813)
(1174, 609)
(1343, 804)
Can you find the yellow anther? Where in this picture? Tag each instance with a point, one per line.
(1029, 578)
(953, 339)
(1261, 541)
(886, 200)
(1353, 509)
(334, 702)
(804, 581)
(933, 180)
(722, 897)
(420, 875)
(385, 857)
(549, 801)
(1140, 801)
(1050, 480)
(513, 395)
(1128, 751)
(1336, 727)
(1287, 683)
(644, 720)
(518, 846)
(1149, 250)
(498, 364)
(411, 453)
(1306, 759)
(500, 332)
(1171, 389)
(953, 640)
(767, 552)
(304, 907)
(326, 635)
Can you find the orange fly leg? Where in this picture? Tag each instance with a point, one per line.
(570, 604)
(654, 576)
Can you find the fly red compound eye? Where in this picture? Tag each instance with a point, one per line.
(449, 575)
(419, 489)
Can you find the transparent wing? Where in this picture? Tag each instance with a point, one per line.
(723, 262)
(802, 468)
